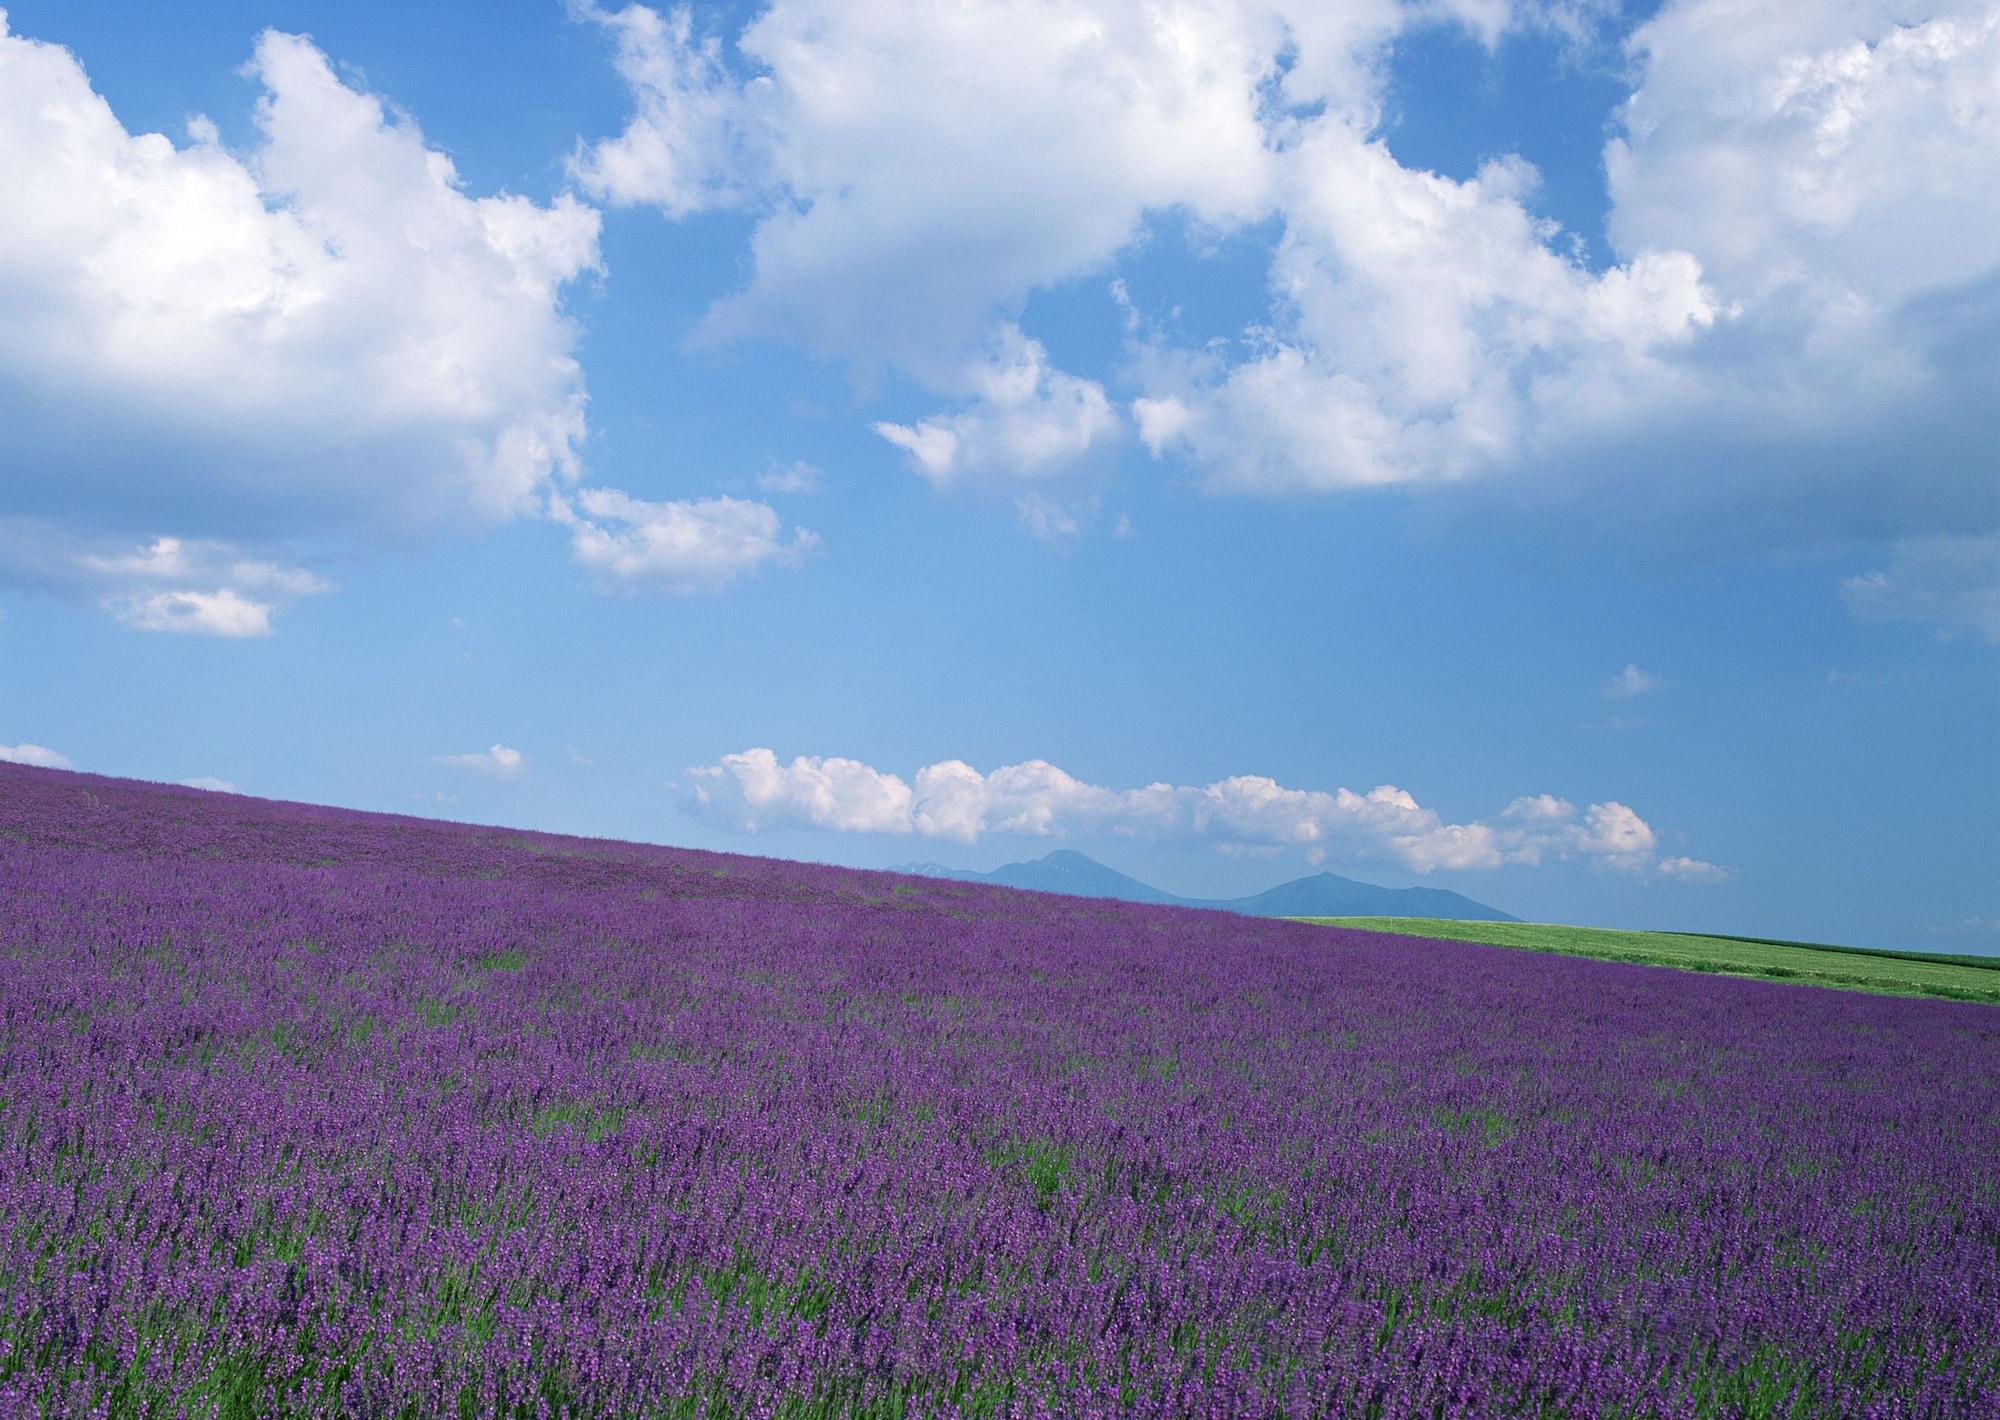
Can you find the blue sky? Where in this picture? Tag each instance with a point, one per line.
(1544, 450)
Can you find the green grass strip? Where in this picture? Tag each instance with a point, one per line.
(1847, 968)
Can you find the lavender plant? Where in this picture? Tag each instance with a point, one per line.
(307, 1112)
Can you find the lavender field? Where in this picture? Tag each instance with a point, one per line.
(313, 1112)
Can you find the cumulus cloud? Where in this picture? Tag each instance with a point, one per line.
(1630, 682)
(691, 545)
(1616, 834)
(210, 783)
(1424, 329)
(755, 791)
(40, 755)
(496, 762)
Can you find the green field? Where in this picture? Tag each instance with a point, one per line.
(1960, 978)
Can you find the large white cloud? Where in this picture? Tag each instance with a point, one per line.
(207, 355)
(327, 321)
(755, 791)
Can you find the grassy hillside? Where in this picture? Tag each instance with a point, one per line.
(1960, 978)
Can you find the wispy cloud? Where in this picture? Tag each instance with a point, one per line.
(198, 586)
(1951, 582)
(1632, 682)
(1693, 870)
(799, 477)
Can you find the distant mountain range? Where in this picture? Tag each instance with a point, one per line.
(1321, 895)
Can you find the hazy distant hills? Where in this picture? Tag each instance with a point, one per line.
(1321, 895)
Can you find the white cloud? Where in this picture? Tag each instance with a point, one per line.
(1027, 420)
(755, 791)
(1692, 870)
(694, 545)
(1630, 682)
(198, 586)
(1952, 582)
(325, 329)
(40, 755)
(496, 762)
(1791, 345)
(210, 783)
